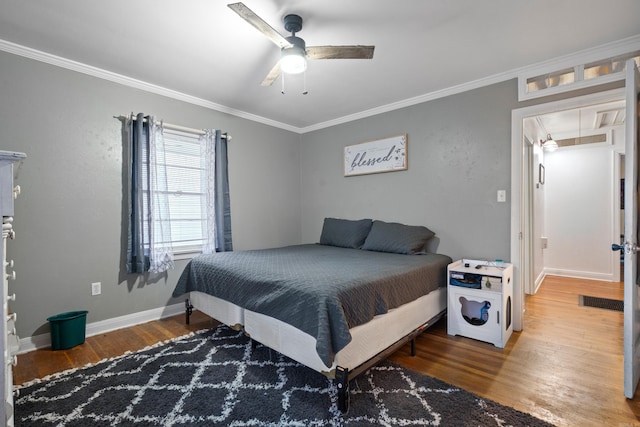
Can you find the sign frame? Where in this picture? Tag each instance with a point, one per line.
(381, 155)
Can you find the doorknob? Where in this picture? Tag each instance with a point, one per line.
(629, 248)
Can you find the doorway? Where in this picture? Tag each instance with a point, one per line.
(575, 212)
(526, 173)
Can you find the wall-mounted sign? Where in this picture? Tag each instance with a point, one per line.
(382, 155)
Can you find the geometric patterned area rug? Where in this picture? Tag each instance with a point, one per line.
(217, 377)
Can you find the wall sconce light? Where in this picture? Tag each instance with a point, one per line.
(549, 144)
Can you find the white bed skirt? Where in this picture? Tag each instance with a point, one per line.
(368, 339)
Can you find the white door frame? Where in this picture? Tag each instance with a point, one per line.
(520, 192)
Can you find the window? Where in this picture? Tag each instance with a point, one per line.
(550, 80)
(186, 192)
(178, 192)
(609, 66)
(557, 78)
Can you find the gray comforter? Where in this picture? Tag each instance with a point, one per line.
(321, 290)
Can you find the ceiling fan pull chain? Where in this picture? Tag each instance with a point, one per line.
(282, 91)
(304, 88)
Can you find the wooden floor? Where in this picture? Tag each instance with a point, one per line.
(566, 368)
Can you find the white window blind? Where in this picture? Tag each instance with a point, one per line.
(185, 190)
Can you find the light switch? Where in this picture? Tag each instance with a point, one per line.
(502, 196)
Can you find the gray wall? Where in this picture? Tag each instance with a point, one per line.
(69, 218)
(459, 156)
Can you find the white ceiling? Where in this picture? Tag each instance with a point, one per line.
(201, 48)
(585, 121)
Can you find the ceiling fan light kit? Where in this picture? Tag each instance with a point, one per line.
(293, 59)
(294, 53)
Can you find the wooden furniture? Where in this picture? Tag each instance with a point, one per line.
(8, 337)
(480, 299)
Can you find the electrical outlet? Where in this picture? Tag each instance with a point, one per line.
(96, 288)
(502, 196)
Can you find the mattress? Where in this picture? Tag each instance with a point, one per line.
(323, 291)
(367, 341)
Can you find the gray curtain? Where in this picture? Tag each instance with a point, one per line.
(138, 136)
(216, 229)
(149, 240)
(222, 202)
(223, 205)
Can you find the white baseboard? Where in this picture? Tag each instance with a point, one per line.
(538, 282)
(44, 340)
(605, 277)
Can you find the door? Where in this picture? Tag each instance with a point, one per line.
(631, 289)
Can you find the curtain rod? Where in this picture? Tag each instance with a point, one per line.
(177, 127)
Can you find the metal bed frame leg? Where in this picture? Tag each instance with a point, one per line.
(188, 309)
(342, 378)
(343, 375)
(342, 382)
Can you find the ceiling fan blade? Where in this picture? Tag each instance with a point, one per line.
(253, 19)
(272, 76)
(340, 52)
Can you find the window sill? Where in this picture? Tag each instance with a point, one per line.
(186, 254)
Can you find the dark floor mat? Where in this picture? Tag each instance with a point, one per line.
(606, 303)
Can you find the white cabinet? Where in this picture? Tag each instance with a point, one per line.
(8, 337)
(480, 300)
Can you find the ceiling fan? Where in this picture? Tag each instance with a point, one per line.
(294, 52)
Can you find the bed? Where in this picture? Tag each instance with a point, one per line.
(338, 306)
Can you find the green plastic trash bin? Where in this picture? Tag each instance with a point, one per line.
(68, 329)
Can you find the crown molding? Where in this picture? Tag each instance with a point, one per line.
(618, 47)
(100, 73)
(453, 90)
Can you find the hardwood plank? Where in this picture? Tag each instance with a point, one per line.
(43, 362)
(566, 367)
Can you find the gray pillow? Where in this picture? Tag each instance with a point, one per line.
(397, 238)
(344, 232)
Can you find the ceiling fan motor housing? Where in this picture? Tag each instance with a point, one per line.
(297, 43)
(293, 23)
